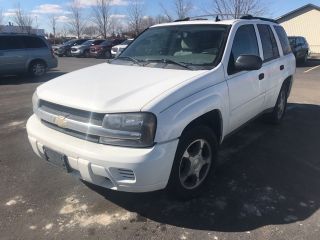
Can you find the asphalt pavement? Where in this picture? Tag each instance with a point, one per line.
(266, 187)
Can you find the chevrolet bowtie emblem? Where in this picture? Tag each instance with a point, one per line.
(61, 121)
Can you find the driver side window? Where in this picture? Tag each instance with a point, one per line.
(244, 43)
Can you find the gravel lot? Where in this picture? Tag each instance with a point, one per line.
(267, 186)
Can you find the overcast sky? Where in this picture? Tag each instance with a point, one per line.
(41, 9)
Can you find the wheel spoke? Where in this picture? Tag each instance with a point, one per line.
(189, 173)
(186, 155)
(195, 164)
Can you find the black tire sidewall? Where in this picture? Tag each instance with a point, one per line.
(174, 185)
(31, 73)
(275, 119)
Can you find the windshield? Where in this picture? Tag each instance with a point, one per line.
(127, 42)
(194, 46)
(87, 43)
(106, 43)
(292, 41)
(70, 42)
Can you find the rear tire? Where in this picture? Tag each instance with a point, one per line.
(305, 59)
(279, 110)
(37, 69)
(194, 163)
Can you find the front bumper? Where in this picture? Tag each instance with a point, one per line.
(102, 164)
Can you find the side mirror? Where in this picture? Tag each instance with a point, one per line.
(248, 63)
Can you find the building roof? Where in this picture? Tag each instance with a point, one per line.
(298, 10)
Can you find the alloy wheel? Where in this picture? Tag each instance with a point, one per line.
(195, 164)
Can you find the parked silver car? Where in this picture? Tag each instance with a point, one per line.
(21, 53)
(83, 50)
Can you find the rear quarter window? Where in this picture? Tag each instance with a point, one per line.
(34, 42)
(285, 44)
(269, 43)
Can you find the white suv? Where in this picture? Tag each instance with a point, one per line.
(155, 116)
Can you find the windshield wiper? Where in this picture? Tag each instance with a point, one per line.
(130, 59)
(169, 61)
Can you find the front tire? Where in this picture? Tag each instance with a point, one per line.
(193, 164)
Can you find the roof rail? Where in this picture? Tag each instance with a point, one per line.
(217, 18)
(250, 17)
(182, 20)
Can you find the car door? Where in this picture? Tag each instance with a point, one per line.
(273, 66)
(13, 54)
(246, 88)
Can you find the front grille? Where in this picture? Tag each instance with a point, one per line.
(49, 112)
(72, 113)
(90, 138)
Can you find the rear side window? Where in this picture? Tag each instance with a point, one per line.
(34, 42)
(285, 44)
(11, 43)
(269, 43)
(244, 43)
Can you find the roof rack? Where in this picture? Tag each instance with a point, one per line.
(250, 17)
(217, 18)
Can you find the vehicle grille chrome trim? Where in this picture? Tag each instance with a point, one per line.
(81, 127)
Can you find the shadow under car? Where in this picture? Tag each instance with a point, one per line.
(268, 175)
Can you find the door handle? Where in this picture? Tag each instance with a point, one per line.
(281, 67)
(261, 76)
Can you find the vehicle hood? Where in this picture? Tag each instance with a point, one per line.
(107, 88)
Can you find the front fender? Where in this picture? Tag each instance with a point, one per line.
(173, 120)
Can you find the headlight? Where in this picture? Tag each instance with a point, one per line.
(129, 129)
(35, 101)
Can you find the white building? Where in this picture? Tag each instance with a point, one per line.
(17, 29)
(305, 22)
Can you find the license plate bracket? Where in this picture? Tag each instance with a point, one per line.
(57, 159)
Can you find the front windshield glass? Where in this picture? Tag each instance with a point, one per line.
(292, 41)
(87, 43)
(127, 42)
(190, 46)
(70, 42)
(106, 43)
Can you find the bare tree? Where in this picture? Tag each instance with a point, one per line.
(91, 31)
(237, 8)
(161, 19)
(53, 24)
(63, 32)
(23, 20)
(135, 15)
(181, 10)
(102, 14)
(77, 22)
